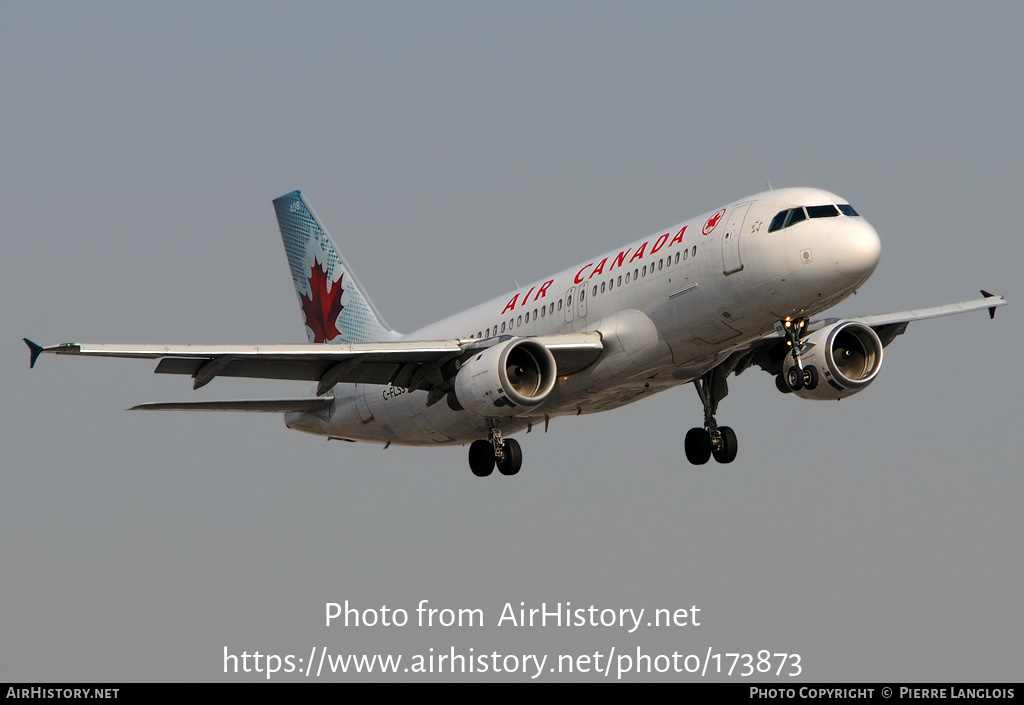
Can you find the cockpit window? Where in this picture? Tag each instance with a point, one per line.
(777, 221)
(828, 211)
(795, 216)
(792, 216)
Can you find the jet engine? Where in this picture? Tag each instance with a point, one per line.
(838, 361)
(505, 379)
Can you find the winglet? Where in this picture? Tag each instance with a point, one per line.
(35, 350)
(987, 295)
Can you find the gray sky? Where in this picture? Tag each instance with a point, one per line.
(451, 148)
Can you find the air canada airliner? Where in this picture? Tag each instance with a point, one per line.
(694, 303)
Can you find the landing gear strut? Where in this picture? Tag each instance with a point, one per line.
(484, 455)
(798, 376)
(712, 440)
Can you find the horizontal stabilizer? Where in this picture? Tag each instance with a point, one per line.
(273, 406)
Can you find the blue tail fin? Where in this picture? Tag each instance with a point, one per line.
(335, 306)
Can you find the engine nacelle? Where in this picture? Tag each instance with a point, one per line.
(506, 379)
(845, 357)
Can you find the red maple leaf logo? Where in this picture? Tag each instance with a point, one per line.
(322, 308)
(713, 222)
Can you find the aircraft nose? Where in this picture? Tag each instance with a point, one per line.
(857, 251)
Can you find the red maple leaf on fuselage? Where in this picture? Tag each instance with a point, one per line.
(322, 308)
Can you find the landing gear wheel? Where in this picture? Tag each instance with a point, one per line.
(698, 446)
(726, 450)
(481, 458)
(795, 379)
(782, 385)
(513, 458)
(797, 376)
(810, 377)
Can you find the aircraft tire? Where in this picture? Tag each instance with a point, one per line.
(781, 384)
(727, 452)
(481, 458)
(698, 446)
(795, 379)
(513, 458)
(810, 377)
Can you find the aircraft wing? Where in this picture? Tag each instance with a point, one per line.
(889, 325)
(767, 352)
(425, 365)
(275, 406)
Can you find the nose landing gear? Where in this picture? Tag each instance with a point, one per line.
(719, 442)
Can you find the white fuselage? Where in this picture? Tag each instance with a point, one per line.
(669, 307)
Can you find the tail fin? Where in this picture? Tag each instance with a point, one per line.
(333, 302)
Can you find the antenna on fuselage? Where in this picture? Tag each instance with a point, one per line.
(768, 184)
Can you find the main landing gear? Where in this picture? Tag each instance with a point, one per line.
(799, 376)
(712, 440)
(484, 455)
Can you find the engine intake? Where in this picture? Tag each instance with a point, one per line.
(846, 358)
(506, 378)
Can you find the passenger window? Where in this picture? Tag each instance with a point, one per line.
(795, 216)
(611, 284)
(627, 277)
(618, 282)
(828, 211)
(677, 258)
(535, 314)
(543, 311)
(503, 326)
(559, 304)
(602, 287)
(479, 334)
(660, 262)
(694, 253)
(595, 290)
(644, 272)
(685, 253)
(527, 317)
(519, 321)
(636, 274)
(847, 209)
(552, 307)
(777, 221)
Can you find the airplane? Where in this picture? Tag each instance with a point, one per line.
(707, 298)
